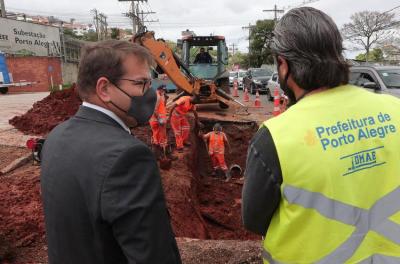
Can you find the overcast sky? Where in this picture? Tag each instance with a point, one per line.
(219, 17)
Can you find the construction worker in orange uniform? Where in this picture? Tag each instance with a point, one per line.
(216, 149)
(179, 121)
(158, 121)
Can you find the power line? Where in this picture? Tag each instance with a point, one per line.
(276, 11)
(234, 48)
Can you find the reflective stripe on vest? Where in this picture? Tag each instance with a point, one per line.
(374, 259)
(330, 152)
(374, 219)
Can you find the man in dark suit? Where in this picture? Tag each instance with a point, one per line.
(102, 193)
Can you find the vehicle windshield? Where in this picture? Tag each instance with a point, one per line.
(260, 72)
(391, 78)
(242, 74)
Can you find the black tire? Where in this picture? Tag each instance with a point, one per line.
(253, 89)
(4, 90)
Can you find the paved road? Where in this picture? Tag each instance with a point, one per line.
(10, 106)
(16, 104)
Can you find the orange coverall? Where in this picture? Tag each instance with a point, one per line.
(179, 121)
(216, 149)
(159, 130)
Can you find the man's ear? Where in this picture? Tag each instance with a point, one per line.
(102, 89)
(283, 67)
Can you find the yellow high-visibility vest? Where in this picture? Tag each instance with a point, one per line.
(339, 151)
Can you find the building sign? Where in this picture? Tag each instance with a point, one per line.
(19, 37)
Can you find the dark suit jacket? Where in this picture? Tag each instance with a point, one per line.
(102, 195)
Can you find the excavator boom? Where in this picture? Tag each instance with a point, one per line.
(179, 74)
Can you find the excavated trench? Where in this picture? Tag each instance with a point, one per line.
(204, 206)
(201, 206)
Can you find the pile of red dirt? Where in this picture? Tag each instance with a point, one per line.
(201, 206)
(48, 113)
(22, 221)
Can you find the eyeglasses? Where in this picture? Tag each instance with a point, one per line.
(145, 83)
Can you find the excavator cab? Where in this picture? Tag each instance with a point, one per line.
(213, 69)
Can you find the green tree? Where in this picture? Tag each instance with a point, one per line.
(241, 59)
(260, 37)
(69, 32)
(374, 55)
(90, 36)
(115, 33)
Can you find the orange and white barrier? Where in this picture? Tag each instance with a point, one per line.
(277, 107)
(246, 96)
(257, 102)
(235, 88)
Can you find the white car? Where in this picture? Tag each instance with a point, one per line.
(272, 84)
(241, 74)
(233, 75)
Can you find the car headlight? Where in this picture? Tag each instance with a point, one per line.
(257, 82)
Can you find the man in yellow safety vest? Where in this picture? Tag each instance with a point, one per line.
(322, 181)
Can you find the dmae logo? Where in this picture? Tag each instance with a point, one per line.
(363, 160)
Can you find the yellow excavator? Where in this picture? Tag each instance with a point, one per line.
(206, 90)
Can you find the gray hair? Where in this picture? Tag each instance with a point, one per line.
(312, 45)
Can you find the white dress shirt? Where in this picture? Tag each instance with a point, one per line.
(109, 113)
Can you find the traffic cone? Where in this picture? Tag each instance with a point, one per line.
(235, 89)
(277, 108)
(257, 102)
(246, 96)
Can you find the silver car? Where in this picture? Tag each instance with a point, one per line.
(378, 79)
(233, 75)
(273, 83)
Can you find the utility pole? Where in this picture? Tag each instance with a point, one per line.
(276, 11)
(3, 8)
(103, 26)
(96, 22)
(63, 50)
(249, 27)
(142, 17)
(234, 48)
(106, 27)
(133, 14)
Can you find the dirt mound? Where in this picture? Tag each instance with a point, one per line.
(48, 113)
(22, 221)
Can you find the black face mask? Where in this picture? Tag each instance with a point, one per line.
(289, 92)
(142, 107)
(284, 86)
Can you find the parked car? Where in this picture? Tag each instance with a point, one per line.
(256, 79)
(241, 75)
(233, 75)
(272, 84)
(378, 79)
